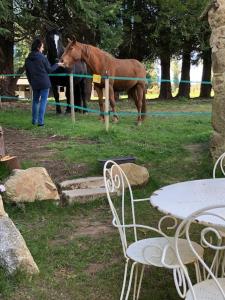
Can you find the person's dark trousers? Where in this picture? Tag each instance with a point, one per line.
(40, 98)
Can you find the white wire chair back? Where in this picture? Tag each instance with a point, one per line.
(116, 182)
(182, 279)
(220, 162)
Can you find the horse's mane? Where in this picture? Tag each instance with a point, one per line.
(105, 53)
(89, 49)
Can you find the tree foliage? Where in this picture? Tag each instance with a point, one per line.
(141, 29)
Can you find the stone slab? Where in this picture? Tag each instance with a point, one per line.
(83, 195)
(82, 183)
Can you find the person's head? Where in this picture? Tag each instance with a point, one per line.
(37, 45)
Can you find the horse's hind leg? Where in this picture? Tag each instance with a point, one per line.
(137, 93)
(100, 102)
(113, 104)
(56, 96)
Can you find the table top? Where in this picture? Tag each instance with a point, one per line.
(182, 199)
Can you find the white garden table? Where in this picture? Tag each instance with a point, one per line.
(182, 199)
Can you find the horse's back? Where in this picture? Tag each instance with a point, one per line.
(129, 68)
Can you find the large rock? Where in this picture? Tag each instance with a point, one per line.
(14, 254)
(2, 211)
(30, 185)
(136, 175)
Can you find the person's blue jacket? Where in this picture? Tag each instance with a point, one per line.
(37, 70)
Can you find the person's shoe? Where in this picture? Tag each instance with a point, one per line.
(40, 124)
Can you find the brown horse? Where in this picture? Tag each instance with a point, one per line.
(102, 63)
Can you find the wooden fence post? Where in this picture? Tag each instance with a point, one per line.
(72, 98)
(107, 103)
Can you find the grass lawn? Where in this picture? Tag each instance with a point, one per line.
(77, 250)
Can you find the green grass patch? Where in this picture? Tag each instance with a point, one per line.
(76, 259)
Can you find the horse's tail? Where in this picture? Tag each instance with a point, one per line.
(143, 108)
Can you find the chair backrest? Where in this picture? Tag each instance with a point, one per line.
(220, 161)
(117, 184)
(211, 238)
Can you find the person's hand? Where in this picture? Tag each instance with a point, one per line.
(60, 64)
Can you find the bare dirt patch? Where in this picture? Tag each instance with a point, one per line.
(94, 268)
(196, 149)
(28, 147)
(88, 227)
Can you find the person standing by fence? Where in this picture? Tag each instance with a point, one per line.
(37, 69)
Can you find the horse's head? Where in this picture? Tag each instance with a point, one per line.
(71, 54)
(54, 45)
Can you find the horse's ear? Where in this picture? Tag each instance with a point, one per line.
(74, 38)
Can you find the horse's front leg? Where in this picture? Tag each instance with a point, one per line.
(113, 103)
(83, 87)
(77, 97)
(100, 102)
(68, 108)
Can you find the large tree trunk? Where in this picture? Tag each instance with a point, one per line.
(206, 75)
(165, 87)
(216, 19)
(6, 64)
(184, 87)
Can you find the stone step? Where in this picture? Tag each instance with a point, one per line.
(83, 195)
(82, 183)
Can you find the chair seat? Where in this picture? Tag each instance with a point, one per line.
(149, 251)
(207, 290)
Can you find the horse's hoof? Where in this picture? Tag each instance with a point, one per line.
(139, 123)
(101, 119)
(115, 120)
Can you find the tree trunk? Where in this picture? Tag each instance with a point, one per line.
(184, 87)
(165, 87)
(6, 65)
(206, 75)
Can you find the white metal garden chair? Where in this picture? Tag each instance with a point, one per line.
(116, 182)
(220, 166)
(219, 163)
(211, 287)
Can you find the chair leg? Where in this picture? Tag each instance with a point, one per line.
(223, 265)
(130, 280)
(135, 282)
(124, 279)
(198, 272)
(140, 281)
